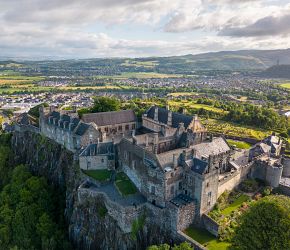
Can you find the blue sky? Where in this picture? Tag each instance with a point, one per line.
(137, 28)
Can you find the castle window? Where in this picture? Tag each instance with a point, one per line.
(106, 129)
(102, 160)
(88, 165)
(133, 126)
(172, 190)
(180, 185)
(208, 203)
(152, 189)
(120, 128)
(127, 127)
(207, 184)
(126, 155)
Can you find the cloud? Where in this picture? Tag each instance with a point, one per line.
(74, 28)
(267, 26)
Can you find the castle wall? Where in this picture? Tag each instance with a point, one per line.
(93, 162)
(210, 225)
(141, 167)
(185, 216)
(273, 175)
(230, 183)
(286, 166)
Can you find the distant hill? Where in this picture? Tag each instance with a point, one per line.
(277, 71)
(228, 60)
(188, 64)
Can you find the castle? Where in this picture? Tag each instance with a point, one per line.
(179, 169)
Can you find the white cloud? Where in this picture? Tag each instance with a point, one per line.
(37, 27)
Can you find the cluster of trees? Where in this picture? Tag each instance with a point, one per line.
(257, 116)
(182, 246)
(31, 212)
(102, 104)
(248, 114)
(265, 225)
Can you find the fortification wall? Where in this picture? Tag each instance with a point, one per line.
(210, 225)
(286, 166)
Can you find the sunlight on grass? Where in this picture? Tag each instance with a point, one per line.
(239, 144)
(205, 238)
(235, 205)
(99, 175)
(124, 185)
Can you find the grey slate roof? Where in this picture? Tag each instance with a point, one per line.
(110, 118)
(216, 146)
(199, 166)
(82, 128)
(101, 148)
(176, 117)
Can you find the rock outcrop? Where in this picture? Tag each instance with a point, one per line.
(88, 227)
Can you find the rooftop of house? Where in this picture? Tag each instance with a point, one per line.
(110, 118)
(215, 146)
(26, 119)
(101, 148)
(177, 118)
(67, 122)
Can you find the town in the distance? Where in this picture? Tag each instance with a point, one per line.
(151, 153)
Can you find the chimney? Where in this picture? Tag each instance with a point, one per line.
(155, 142)
(146, 140)
(175, 160)
(210, 160)
(156, 113)
(169, 118)
(193, 153)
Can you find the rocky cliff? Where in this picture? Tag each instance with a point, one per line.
(88, 227)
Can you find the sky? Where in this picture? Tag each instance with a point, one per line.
(140, 28)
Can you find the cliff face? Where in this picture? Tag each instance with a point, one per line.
(90, 227)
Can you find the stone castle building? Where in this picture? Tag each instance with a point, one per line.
(175, 164)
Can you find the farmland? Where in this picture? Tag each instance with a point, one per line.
(194, 105)
(232, 129)
(285, 85)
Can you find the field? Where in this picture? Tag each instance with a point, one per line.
(239, 144)
(145, 64)
(177, 94)
(141, 75)
(205, 238)
(16, 83)
(218, 126)
(193, 105)
(285, 85)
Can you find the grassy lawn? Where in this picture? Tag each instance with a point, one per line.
(124, 185)
(235, 205)
(205, 238)
(99, 175)
(239, 144)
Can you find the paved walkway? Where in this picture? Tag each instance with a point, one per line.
(114, 195)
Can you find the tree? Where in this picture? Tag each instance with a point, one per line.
(182, 246)
(266, 225)
(105, 104)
